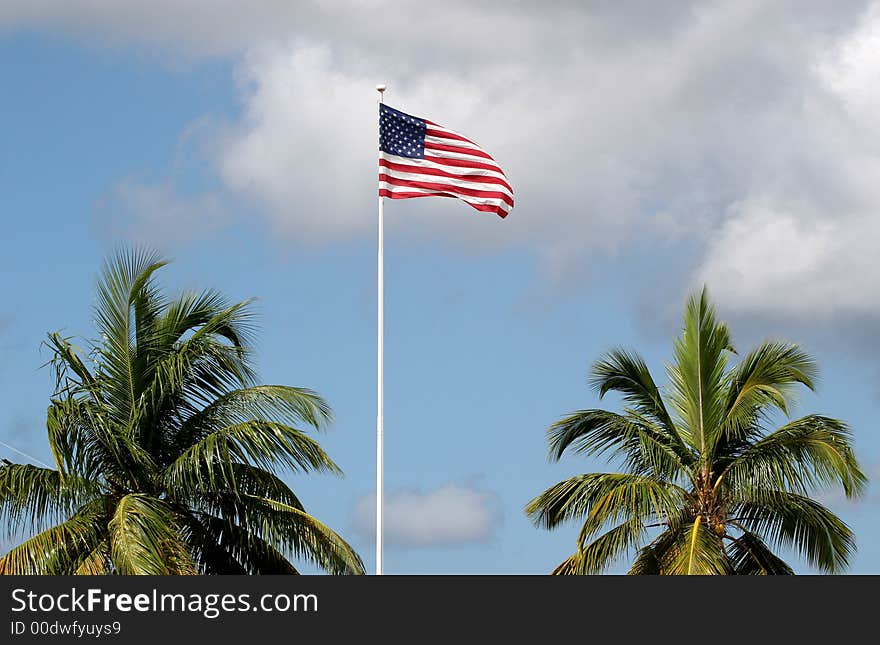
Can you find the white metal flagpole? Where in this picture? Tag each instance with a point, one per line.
(380, 382)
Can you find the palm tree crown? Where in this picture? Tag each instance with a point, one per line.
(167, 452)
(708, 487)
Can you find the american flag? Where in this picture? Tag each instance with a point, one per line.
(418, 158)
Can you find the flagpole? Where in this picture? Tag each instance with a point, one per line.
(380, 381)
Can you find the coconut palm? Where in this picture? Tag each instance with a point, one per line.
(167, 452)
(707, 485)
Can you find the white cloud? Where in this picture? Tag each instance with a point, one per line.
(304, 148)
(626, 136)
(770, 261)
(464, 32)
(448, 516)
(156, 213)
(852, 69)
(746, 129)
(803, 241)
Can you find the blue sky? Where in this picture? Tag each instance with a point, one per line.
(648, 155)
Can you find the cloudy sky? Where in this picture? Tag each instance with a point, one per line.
(653, 147)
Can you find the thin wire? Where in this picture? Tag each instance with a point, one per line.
(24, 454)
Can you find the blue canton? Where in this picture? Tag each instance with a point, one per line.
(401, 134)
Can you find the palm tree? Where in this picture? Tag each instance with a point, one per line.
(707, 486)
(167, 452)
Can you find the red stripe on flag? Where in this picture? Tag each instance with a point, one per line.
(464, 151)
(486, 208)
(421, 170)
(447, 135)
(454, 190)
(398, 194)
(463, 163)
(489, 208)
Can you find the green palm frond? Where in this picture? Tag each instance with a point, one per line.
(145, 538)
(287, 526)
(68, 366)
(308, 538)
(697, 375)
(813, 451)
(124, 296)
(601, 498)
(800, 523)
(657, 557)
(183, 381)
(61, 548)
(700, 551)
(206, 361)
(643, 499)
(763, 380)
(644, 446)
(88, 442)
(248, 552)
(95, 563)
(75, 447)
(599, 554)
(209, 552)
(290, 528)
(279, 403)
(209, 463)
(626, 373)
(203, 314)
(571, 566)
(749, 555)
(247, 479)
(276, 403)
(33, 498)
